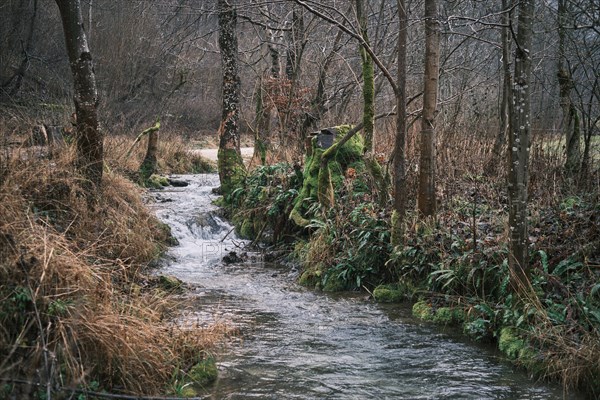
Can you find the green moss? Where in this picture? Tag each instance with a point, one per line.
(397, 230)
(247, 229)
(448, 316)
(334, 283)
(155, 181)
(389, 294)
(169, 283)
(422, 310)
(231, 170)
(312, 276)
(510, 343)
(204, 373)
(352, 150)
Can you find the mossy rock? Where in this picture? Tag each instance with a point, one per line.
(311, 277)
(166, 234)
(156, 181)
(448, 316)
(246, 230)
(423, 310)
(170, 283)
(389, 294)
(204, 373)
(510, 343)
(334, 283)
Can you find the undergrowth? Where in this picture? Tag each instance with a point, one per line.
(456, 267)
(77, 311)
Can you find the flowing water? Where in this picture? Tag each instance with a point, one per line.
(299, 344)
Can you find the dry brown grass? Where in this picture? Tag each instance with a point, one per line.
(174, 156)
(75, 305)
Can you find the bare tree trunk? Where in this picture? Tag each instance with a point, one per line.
(230, 164)
(570, 123)
(89, 138)
(399, 211)
(262, 125)
(500, 141)
(520, 128)
(368, 78)
(426, 199)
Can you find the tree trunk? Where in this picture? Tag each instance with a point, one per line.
(500, 141)
(570, 123)
(368, 78)
(89, 138)
(399, 211)
(426, 199)
(262, 125)
(520, 128)
(148, 166)
(229, 158)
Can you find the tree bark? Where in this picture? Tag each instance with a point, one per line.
(368, 78)
(148, 166)
(89, 138)
(399, 212)
(570, 122)
(426, 198)
(500, 141)
(229, 158)
(520, 128)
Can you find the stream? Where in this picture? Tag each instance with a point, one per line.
(296, 343)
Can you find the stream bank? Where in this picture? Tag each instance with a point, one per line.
(300, 344)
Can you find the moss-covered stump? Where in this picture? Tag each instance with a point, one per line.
(320, 183)
(390, 293)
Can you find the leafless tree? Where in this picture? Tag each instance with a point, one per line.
(89, 138)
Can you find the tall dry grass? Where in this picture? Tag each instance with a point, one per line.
(76, 306)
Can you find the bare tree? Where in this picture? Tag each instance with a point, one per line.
(570, 119)
(400, 188)
(520, 131)
(231, 166)
(426, 199)
(89, 138)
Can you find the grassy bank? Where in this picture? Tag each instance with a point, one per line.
(78, 311)
(454, 269)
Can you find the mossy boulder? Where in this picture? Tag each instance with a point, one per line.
(423, 310)
(518, 349)
(448, 316)
(204, 373)
(155, 181)
(312, 276)
(199, 377)
(389, 294)
(170, 283)
(510, 343)
(246, 230)
(334, 283)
